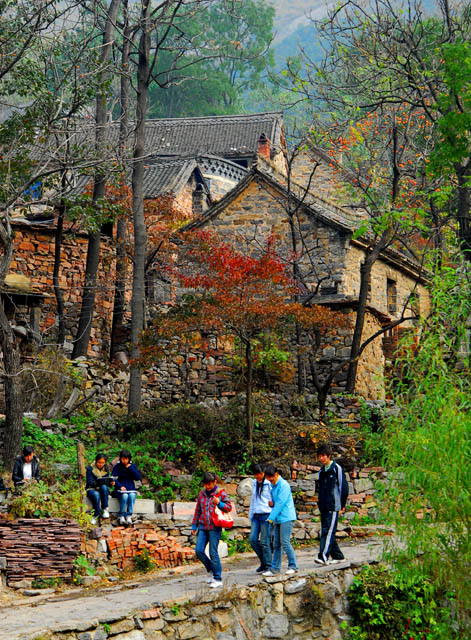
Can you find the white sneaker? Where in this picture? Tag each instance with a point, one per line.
(214, 584)
(128, 519)
(290, 572)
(105, 514)
(334, 561)
(209, 578)
(93, 521)
(121, 520)
(319, 561)
(268, 574)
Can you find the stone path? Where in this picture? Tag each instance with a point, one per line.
(24, 618)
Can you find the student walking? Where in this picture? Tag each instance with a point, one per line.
(209, 498)
(281, 518)
(260, 507)
(333, 493)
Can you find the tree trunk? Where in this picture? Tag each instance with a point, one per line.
(120, 281)
(93, 253)
(11, 360)
(57, 264)
(365, 279)
(13, 392)
(463, 212)
(139, 226)
(248, 395)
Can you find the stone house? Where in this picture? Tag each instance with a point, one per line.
(329, 258)
(227, 173)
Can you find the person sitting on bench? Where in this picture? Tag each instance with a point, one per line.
(125, 473)
(98, 487)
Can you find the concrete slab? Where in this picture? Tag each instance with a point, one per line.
(141, 506)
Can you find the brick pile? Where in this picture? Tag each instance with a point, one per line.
(39, 548)
(124, 544)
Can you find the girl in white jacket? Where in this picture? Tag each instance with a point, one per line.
(260, 507)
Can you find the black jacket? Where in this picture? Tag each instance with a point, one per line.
(332, 488)
(91, 477)
(17, 475)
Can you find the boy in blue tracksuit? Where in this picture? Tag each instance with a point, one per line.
(333, 493)
(281, 518)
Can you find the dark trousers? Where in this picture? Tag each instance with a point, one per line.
(329, 545)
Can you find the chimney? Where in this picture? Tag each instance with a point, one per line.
(198, 197)
(264, 147)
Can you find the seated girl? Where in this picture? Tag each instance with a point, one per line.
(125, 473)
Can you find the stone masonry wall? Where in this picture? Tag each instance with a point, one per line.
(33, 256)
(273, 608)
(381, 272)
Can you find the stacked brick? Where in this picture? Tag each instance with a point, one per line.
(125, 544)
(39, 548)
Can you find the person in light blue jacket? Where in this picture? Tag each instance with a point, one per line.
(260, 507)
(282, 518)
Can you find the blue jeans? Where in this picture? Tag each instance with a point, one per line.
(99, 499)
(126, 503)
(260, 539)
(282, 535)
(213, 563)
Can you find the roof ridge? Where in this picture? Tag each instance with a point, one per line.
(189, 119)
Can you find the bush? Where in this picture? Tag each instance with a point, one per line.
(37, 500)
(312, 600)
(143, 562)
(386, 605)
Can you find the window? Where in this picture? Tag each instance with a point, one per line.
(391, 292)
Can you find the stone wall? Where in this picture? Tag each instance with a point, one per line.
(380, 274)
(273, 608)
(33, 256)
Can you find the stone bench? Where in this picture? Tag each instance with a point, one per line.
(141, 506)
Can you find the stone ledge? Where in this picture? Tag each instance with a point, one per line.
(140, 506)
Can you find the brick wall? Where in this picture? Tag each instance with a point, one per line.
(33, 256)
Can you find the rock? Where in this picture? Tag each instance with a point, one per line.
(37, 592)
(100, 634)
(133, 635)
(191, 630)
(154, 625)
(224, 636)
(87, 581)
(21, 584)
(122, 627)
(295, 587)
(239, 521)
(275, 626)
(244, 490)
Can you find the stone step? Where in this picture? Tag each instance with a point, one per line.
(141, 506)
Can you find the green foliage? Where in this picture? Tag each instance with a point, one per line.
(235, 545)
(386, 605)
(143, 562)
(186, 433)
(236, 43)
(82, 566)
(46, 583)
(372, 435)
(37, 500)
(49, 446)
(429, 445)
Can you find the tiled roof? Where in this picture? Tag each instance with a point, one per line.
(161, 176)
(167, 176)
(227, 136)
